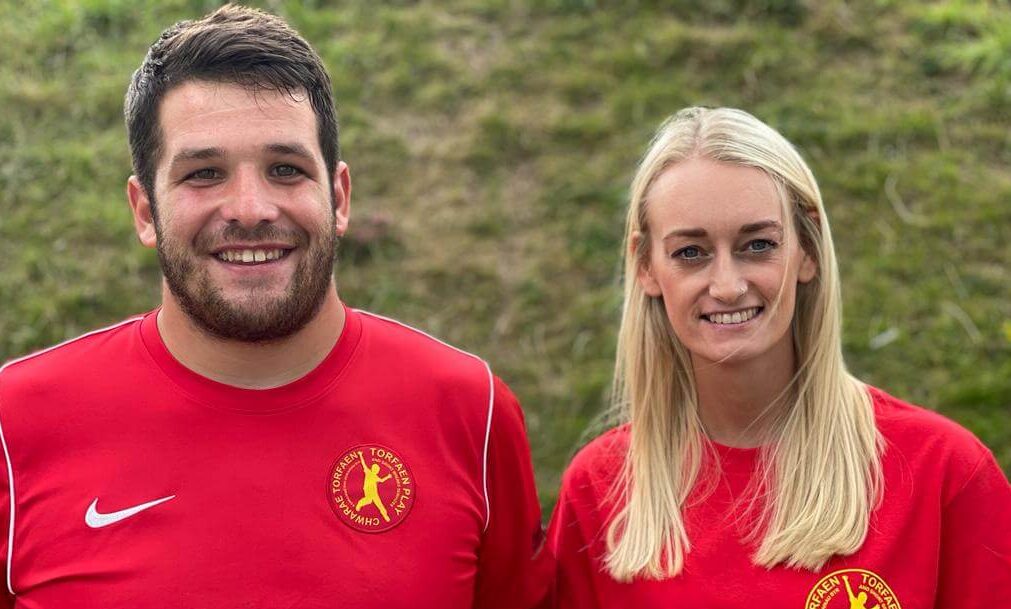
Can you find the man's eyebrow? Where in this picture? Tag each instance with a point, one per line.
(197, 154)
(760, 226)
(292, 149)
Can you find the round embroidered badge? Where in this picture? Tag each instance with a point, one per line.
(851, 589)
(371, 489)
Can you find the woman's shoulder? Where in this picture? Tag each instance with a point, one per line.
(898, 419)
(926, 439)
(600, 461)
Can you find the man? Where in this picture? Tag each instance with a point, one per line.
(254, 442)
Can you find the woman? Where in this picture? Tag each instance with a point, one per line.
(752, 469)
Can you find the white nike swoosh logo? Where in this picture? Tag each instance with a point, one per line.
(96, 520)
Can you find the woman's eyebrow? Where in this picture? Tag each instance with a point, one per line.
(752, 227)
(686, 232)
(755, 227)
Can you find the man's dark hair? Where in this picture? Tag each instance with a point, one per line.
(235, 45)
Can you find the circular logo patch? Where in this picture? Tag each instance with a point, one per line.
(851, 589)
(371, 489)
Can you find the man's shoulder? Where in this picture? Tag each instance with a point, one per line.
(69, 359)
(417, 348)
(457, 386)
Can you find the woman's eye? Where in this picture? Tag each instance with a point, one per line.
(688, 253)
(286, 171)
(760, 245)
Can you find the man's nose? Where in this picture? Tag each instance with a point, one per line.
(249, 199)
(726, 281)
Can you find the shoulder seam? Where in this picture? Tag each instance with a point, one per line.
(968, 479)
(69, 341)
(421, 332)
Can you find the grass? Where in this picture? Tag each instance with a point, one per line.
(497, 139)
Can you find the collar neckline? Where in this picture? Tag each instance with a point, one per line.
(286, 397)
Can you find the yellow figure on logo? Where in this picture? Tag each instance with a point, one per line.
(860, 600)
(370, 487)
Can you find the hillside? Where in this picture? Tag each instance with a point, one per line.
(491, 145)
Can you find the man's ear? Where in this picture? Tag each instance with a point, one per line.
(143, 215)
(341, 197)
(644, 275)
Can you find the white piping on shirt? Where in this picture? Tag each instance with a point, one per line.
(491, 404)
(10, 526)
(3, 439)
(487, 438)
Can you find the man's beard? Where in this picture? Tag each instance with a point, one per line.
(255, 317)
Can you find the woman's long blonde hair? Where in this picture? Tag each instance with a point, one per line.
(821, 468)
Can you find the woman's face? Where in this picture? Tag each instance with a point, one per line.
(724, 261)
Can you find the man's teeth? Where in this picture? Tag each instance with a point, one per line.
(249, 256)
(733, 318)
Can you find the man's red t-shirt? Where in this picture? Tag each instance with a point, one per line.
(396, 474)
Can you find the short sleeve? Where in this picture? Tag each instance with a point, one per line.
(975, 561)
(513, 569)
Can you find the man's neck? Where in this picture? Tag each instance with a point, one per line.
(251, 365)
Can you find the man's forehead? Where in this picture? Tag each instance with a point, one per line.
(202, 114)
(203, 92)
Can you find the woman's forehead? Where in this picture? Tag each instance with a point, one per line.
(702, 193)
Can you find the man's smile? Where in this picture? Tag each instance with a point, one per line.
(251, 255)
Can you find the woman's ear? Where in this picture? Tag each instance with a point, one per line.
(809, 265)
(644, 274)
(808, 268)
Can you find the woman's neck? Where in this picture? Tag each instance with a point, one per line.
(740, 402)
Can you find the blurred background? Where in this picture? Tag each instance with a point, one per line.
(491, 145)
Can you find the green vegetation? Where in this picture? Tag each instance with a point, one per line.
(492, 143)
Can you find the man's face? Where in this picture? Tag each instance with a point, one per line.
(247, 218)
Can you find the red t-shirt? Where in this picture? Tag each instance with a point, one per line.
(941, 538)
(396, 474)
